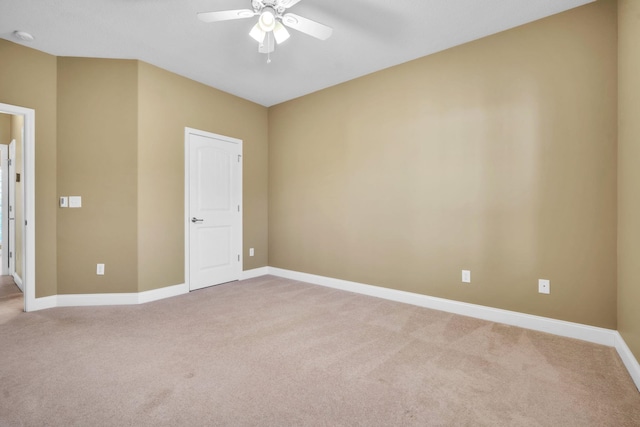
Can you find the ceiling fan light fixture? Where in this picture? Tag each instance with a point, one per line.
(267, 20)
(257, 33)
(280, 33)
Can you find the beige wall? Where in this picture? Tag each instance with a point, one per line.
(97, 160)
(167, 104)
(629, 174)
(131, 176)
(498, 156)
(5, 129)
(28, 78)
(120, 125)
(17, 129)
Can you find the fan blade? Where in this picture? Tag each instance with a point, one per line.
(288, 3)
(226, 15)
(307, 26)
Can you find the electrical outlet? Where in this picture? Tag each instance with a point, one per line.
(544, 286)
(466, 276)
(251, 252)
(100, 270)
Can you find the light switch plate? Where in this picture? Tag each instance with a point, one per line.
(64, 202)
(251, 252)
(75, 201)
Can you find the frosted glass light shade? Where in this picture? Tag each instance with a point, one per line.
(257, 33)
(280, 33)
(267, 21)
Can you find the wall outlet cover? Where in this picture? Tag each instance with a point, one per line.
(466, 276)
(544, 286)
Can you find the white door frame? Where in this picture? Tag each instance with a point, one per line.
(187, 170)
(29, 229)
(4, 157)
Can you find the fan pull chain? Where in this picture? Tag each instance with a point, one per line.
(269, 50)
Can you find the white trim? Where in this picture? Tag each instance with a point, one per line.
(44, 303)
(256, 272)
(18, 281)
(543, 324)
(162, 293)
(85, 300)
(29, 231)
(4, 169)
(629, 360)
(187, 238)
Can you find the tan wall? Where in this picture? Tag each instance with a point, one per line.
(5, 129)
(167, 104)
(498, 156)
(17, 128)
(629, 174)
(28, 78)
(97, 160)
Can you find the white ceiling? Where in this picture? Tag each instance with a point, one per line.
(369, 35)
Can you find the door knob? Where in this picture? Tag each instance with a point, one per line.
(194, 219)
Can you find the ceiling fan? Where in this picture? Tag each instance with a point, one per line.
(271, 22)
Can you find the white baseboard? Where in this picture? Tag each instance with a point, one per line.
(44, 303)
(256, 272)
(629, 360)
(162, 293)
(84, 300)
(18, 281)
(543, 324)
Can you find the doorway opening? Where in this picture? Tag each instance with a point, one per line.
(18, 185)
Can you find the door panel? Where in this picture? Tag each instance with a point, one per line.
(216, 246)
(214, 211)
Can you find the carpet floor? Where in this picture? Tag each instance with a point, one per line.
(275, 352)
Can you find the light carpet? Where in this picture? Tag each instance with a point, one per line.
(276, 352)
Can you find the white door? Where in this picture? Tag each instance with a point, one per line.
(11, 250)
(213, 209)
(4, 166)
